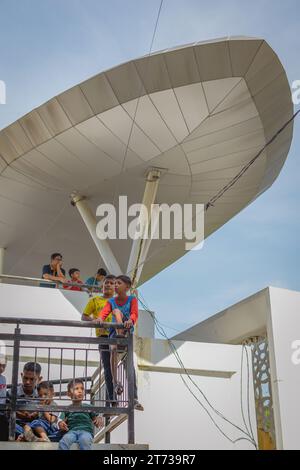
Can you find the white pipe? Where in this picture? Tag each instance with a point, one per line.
(102, 246)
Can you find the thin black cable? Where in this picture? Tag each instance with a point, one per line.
(212, 201)
(138, 100)
(173, 349)
(234, 180)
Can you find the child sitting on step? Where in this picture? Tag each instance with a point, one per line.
(44, 429)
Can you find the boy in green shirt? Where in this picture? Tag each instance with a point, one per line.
(78, 425)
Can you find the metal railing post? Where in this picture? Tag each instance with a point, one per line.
(107, 434)
(130, 368)
(14, 388)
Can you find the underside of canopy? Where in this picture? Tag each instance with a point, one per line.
(201, 112)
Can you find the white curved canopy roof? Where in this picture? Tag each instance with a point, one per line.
(205, 110)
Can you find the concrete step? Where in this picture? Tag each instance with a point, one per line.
(54, 446)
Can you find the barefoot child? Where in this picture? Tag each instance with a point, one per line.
(94, 305)
(44, 429)
(124, 309)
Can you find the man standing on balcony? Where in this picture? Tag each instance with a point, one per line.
(91, 312)
(54, 271)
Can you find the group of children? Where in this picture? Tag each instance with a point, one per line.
(114, 305)
(56, 273)
(67, 428)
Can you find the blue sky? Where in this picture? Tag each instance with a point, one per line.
(49, 45)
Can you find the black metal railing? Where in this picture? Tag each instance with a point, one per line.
(35, 281)
(98, 390)
(72, 361)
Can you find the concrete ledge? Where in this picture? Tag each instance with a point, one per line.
(54, 446)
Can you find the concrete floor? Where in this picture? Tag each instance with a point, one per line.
(54, 446)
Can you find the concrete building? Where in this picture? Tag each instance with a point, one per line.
(211, 353)
(209, 123)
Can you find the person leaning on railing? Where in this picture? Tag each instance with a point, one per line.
(74, 274)
(97, 280)
(124, 309)
(54, 271)
(94, 305)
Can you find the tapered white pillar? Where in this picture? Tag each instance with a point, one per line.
(140, 246)
(102, 246)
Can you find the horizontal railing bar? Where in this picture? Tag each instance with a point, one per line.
(43, 322)
(65, 393)
(63, 381)
(61, 394)
(64, 339)
(47, 281)
(57, 360)
(55, 348)
(88, 409)
(35, 401)
(26, 278)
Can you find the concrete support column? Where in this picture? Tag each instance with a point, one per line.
(102, 246)
(140, 246)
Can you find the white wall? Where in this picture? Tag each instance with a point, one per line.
(275, 312)
(283, 330)
(172, 418)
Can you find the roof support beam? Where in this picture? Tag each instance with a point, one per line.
(102, 246)
(141, 245)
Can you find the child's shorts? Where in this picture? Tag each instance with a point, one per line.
(52, 432)
(113, 334)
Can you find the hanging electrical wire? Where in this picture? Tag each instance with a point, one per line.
(246, 167)
(138, 100)
(249, 436)
(220, 193)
